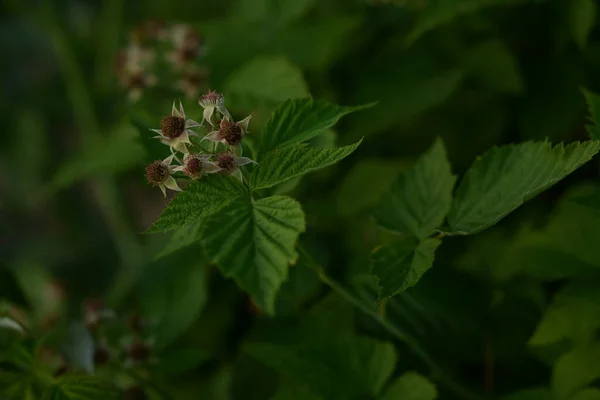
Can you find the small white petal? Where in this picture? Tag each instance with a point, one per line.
(244, 123)
(157, 131)
(163, 190)
(237, 174)
(167, 161)
(244, 161)
(179, 168)
(184, 137)
(211, 168)
(171, 183)
(207, 114)
(190, 123)
(213, 137)
(181, 111)
(179, 145)
(175, 112)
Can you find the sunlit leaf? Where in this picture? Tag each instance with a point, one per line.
(505, 177)
(400, 264)
(253, 241)
(411, 386)
(575, 370)
(279, 166)
(419, 200)
(199, 200)
(297, 121)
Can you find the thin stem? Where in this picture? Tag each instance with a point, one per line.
(108, 42)
(107, 196)
(403, 337)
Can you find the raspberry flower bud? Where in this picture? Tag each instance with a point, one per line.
(175, 130)
(228, 163)
(195, 166)
(210, 102)
(230, 133)
(159, 174)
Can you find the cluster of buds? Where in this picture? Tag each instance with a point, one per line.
(223, 155)
(157, 53)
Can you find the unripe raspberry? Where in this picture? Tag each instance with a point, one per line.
(157, 173)
(172, 127)
(194, 167)
(226, 161)
(231, 132)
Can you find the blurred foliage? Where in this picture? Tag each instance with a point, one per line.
(511, 313)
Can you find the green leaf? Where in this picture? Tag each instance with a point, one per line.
(281, 165)
(411, 386)
(107, 155)
(292, 391)
(400, 265)
(81, 387)
(540, 393)
(575, 370)
(581, 16)
(441, 12)
(178, 361)
(199, 200)
(180, 239)
(593, 102)
(264, 82)
(298, 120)
(505, 177)
(344, 368)
(173, 296)
(21, 388)
(420, 199)
(359, 191)
(587, 394)
(492, 63)
(573, 315)
(253, 242)
(269, 11)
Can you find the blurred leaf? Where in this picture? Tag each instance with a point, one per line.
(36, 284)
(280, 165)
(505, 177)
(317, 43)
(291, 391)
(107, 155)
(22, 388)
(581, 17)
(419, 200)
(264, 82)
(79, 347)
(180, 239)
(493, 64)
(575, 370)
(253, 242)
(530, 394)
(347, 367)
(359, 190)
(411, 386)
(199, 200)
(439, 12)
(297, 121)
(587, 394)
(400, 265)
(178, 361)
(278, 11)
(81, 387)
(405, 87)
(573, 315)
(173, 296)
(593, 103)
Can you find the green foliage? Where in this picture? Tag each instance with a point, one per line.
(81, 387)
(411, 386)
(199, 200)
(530, 394)
(593, 102)
(575, 369)
(296, 121)
(279, 166)
(505, 177)
(420, 199)
(572, 315)
(253, 242)
(265, 82)
(581, 20)
(401, 264)
(103, 156)
(334, 369)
